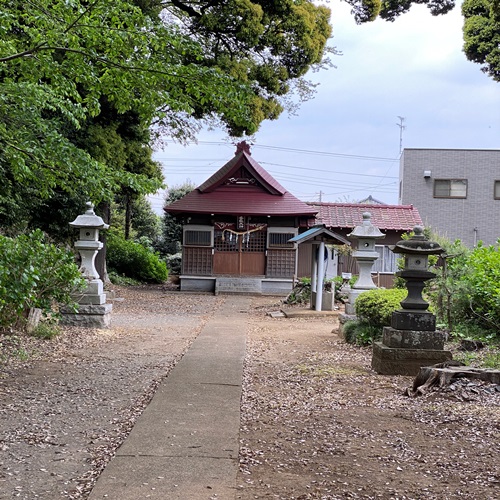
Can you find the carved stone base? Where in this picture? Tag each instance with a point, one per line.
(401, 361)
(412, 339)
(94, 316)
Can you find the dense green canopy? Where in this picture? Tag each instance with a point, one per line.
(74, 73)
(481, 24)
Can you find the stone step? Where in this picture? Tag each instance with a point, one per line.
(238, 285)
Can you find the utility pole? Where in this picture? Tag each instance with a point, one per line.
(401, 128)
(320, 196)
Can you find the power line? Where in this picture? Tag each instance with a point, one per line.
(302, 151)
(323, 170)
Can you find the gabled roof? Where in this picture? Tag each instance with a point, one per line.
(226, 194)
(319, 233)
(242, 158)
(371, 201)
(350, 215)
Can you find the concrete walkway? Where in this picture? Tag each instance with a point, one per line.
(185, 444)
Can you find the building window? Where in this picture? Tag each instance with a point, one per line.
(496, 194)
(278, 237)
(201, 236)
(450, 188)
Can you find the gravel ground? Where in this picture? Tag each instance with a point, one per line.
(65, 410)
(317, 423)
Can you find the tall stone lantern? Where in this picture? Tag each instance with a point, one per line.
(92, 310)
(412, 340)
(365, 255)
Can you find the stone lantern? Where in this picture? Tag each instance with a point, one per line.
(88, 245)
(365, 256)
(412, 340)
(92, 310)
(416, 251)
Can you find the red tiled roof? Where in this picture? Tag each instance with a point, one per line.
(229, 201)
(349, 215)
(266, 196)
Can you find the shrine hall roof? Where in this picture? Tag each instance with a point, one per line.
(349, 215)
(257, 193)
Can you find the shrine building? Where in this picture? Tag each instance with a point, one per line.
(236, 230)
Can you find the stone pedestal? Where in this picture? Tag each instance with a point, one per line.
(94, 316)
(408, 344)
(327, 301)
(405, 361)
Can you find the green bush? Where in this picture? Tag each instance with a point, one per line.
(375, 307)
(361, 333)
(174, 263)
(133, 260)
(34, 273)
(479, 297)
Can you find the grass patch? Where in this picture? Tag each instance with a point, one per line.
(46, 330)
(328, 371)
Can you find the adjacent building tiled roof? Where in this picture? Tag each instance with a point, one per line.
(265, 196)
(349, 215)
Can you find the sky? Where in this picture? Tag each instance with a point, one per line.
(405, 84)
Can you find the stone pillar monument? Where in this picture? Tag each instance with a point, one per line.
(412, 340)
(365, 256)
(93, 310)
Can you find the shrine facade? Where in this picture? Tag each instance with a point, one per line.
(236, 230)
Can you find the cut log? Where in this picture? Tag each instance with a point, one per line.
(442, 375)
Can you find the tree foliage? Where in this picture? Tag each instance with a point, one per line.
(480, 293)
(481, 29)
(167, 61)
(265, 45)
(172, 227)
(482, 34)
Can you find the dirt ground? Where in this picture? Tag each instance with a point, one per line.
(316, 422)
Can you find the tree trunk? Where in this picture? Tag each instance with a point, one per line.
(128, 216)
(100, 260)
(443, 374)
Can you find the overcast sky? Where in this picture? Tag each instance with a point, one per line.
(344, 144)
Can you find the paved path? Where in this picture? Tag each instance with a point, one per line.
(185, 444)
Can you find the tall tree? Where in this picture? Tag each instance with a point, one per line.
(481, 27)
(482, 34)
(172, 227)
(59, 59)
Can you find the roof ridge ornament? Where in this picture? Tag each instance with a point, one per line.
(243, 146)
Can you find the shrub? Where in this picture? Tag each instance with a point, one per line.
(349, 331)
(480, 291)
(375, 307)
(174, 263)
(361, 333)
(34, 273)
(133, 260)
